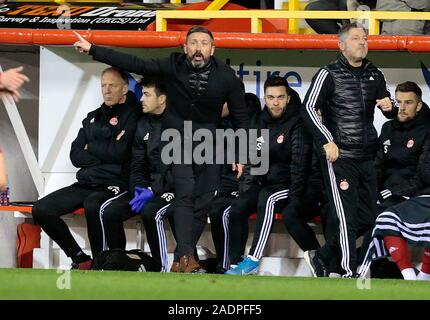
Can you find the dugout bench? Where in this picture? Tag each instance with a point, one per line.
(282, 255)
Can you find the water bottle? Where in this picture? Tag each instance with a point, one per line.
(4, 197)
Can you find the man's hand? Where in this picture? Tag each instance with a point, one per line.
(82, 45)
(385, 104)
(239, 168)
(11, 80)
(331, 151)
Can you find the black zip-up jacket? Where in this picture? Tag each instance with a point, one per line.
(147, 170)
(290, 149)
(346, 97)
(106, 161)
(204, 108)
(402, 149)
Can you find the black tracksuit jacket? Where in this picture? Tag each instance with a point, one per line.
(290, 149)
(147, 170)
(106, 161)
(346, 97)
(402, 150)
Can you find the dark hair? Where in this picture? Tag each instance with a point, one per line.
(200, 29)
(154, 82)
(344, 30)
(410, 86)
(276, 81)
(121, 73)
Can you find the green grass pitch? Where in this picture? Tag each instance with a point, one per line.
(50, 284)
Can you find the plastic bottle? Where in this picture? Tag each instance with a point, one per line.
(4, 197)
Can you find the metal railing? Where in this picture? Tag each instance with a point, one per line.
(371, 19)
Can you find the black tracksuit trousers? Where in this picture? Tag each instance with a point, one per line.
(219, 217)
(153, 216)
(48, 210)
(266, 201)
(351, 191)
(112, 216)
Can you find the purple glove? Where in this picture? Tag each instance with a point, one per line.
(141, 197)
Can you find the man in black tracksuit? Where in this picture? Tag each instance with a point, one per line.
(147, 175)
(346, 91)
(289, 156)
(101, 151)
(230, 188)
(197, 87)
(403, 144)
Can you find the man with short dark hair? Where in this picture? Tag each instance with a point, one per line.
(150, 192)
(101, 151)
(346, 92)
(289, 152)
(402, 145)
(197, 87)
(403, 167)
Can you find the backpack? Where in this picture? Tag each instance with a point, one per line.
(125, 260)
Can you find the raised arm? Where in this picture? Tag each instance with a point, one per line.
(124, 61)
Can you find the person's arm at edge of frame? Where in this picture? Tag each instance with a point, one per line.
(3, 172)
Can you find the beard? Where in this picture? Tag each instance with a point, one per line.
(198, 64)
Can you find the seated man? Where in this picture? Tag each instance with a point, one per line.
(101, 151)
(229, 189)
(401, 161)
(403, 27)
(150, 187)
(402, 144)
(396, 162)
(289, 154)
